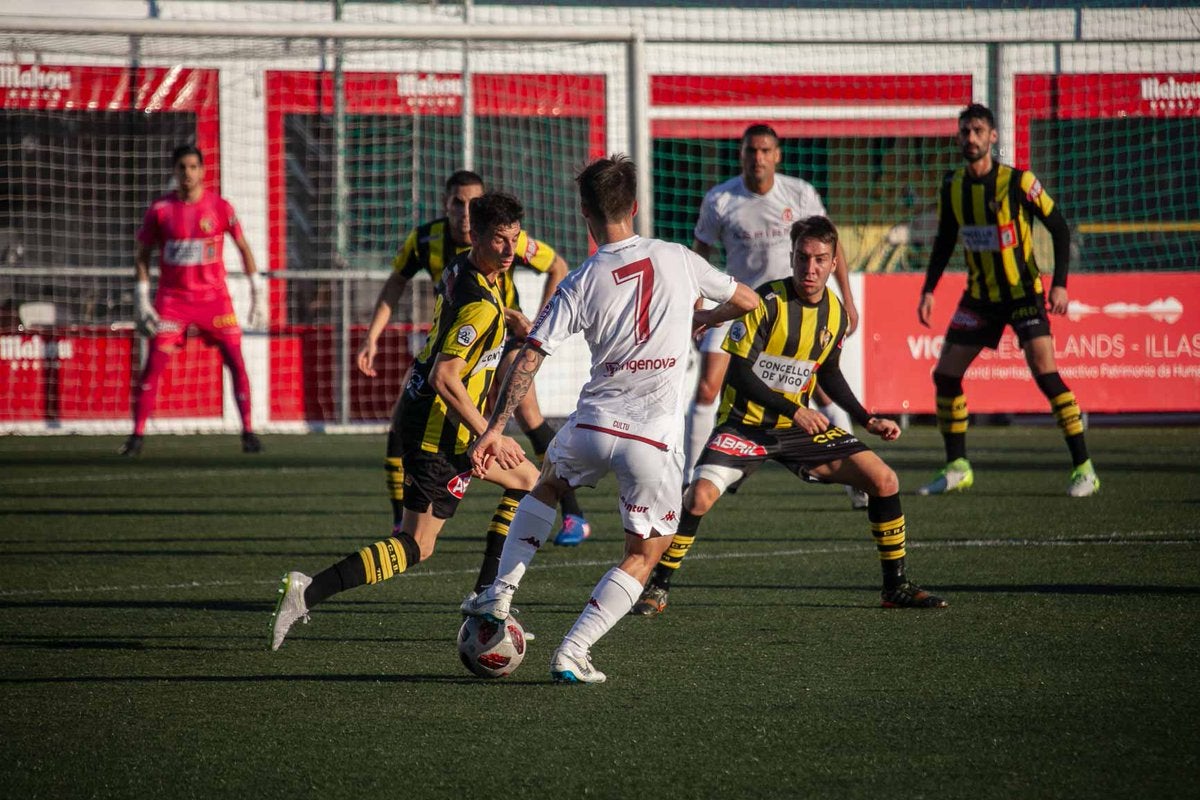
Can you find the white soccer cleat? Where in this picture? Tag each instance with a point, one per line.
(858, 498)
(566, 667)
(465, 607)
(291, 606)
(1084, 480)
(956, 477)
(488, 604)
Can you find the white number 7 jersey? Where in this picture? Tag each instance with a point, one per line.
(633, 302)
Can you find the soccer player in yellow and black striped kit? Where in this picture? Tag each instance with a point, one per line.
(778, 352)
(439, 414)
(992, 207)
(429, 248)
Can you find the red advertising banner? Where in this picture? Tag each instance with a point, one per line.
(1130, 342)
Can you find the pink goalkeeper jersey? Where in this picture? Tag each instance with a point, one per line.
(191, 238)
(633, 301)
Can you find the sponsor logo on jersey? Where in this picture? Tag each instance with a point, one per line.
(546, 309)
(633, 509)
(636, 365)
(966, 320)
(788, 214)
(732, 445)
(208, 224)
(489, 360)
(825, 337)
(457, 485)
(1035, 191)
(531, 248)
(189, 252)
(670, 516)
(737, 331)
(466, 335)
(782, 374)
(989, 238)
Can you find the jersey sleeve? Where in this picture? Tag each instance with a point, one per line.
(710, 281)
(232, 224)
(708, 224)
(558, 320)
(148, 233)
(472, 321)
(534, 253)
(405, 262)
(1034, 196)
(811, 204)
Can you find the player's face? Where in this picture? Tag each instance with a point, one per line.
(458, 210)
(975, 138)
(812, 261)
(495, 250)
(189, 173)
(760, 157)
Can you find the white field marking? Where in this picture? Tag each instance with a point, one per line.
(1132, 538)
(141, 477)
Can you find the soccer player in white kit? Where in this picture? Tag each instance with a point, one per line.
(634, 302)
(750, 217)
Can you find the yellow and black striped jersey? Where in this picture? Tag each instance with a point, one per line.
(993, 216)
(786, 340)
(468, 323)
(430, 248)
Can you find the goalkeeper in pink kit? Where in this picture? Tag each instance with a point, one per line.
(188, 227)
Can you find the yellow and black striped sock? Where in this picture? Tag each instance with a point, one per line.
(497, 532)
(1066, 414)
(887, 527)
(952, 415)
(394, 470)
(372, 564)
(681, 544)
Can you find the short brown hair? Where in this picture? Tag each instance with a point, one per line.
(492, 210)
(608, 187)
(819, 228)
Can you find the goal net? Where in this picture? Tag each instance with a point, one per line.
(333, 138)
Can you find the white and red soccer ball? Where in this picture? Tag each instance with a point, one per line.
(491, 649)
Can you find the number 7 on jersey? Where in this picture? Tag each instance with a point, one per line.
(642, 274)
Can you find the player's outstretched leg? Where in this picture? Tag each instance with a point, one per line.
(529, 530)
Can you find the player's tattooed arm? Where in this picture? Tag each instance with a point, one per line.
(516, 384)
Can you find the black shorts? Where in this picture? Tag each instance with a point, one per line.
(981, 323)
(746, 448)
(433, 479)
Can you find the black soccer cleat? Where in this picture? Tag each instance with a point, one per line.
(251, 443)
(132, 446)
(909, 595)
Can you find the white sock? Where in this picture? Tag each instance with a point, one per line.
(527, 532)
(700, 421)
(838, 417)
(612, 598)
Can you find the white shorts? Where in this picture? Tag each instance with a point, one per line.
(711, 341)
(649, 479)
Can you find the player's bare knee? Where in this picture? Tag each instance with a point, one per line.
(701, 496)
(884, 482)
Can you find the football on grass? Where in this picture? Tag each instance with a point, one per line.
(491, 649)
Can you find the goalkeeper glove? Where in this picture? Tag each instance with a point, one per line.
(147, 316)
(258, 302)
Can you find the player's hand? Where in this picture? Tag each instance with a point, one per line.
(699, 324)
(925, 308)
(1059, 300)
(810, 421)
(885, 429)
(495, 447)
(258, 303)
(148, 318)
(366, 359)
(518, 324)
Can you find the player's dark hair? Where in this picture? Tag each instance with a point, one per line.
(463, 177)
(978, 111)
(759, 130)
(186, 150)
(608, 187)
(492, 210)
(818, 228)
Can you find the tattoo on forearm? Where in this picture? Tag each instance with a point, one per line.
(516, 384)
